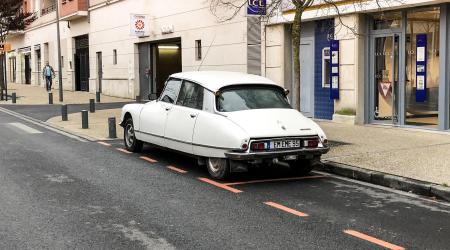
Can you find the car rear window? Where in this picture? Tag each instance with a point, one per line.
(239, 98)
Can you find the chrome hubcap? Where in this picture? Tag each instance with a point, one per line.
(214, 165)
(129, 135)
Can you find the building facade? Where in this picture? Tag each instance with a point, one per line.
(101, 52)
(393, 61)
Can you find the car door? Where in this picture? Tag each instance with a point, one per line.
(182, 117)
(154, 114)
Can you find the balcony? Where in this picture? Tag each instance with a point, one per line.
(49, 9)
(73, 9)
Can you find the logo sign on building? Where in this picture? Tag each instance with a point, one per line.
(139, 25)
(5, 47)
(256, 7)
(334, 71)
(421, 68)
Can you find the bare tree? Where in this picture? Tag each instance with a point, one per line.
(12, 18)
(226, 10)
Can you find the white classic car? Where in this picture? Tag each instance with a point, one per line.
(228, 120)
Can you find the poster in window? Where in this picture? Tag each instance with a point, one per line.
(421, 68)
(334, 72)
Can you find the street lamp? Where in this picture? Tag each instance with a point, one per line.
(61, 99)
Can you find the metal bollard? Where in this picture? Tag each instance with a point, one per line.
(50, 98)
(112, 127)
(84, 119)
(92, 105)
(64, 112)
(97, 96)
(138, 98)
(14, 97)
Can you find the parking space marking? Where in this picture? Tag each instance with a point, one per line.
(104, 143)
(275, 180)
(24, 128)
(286, 209)
(220, 185)
(145, 158)
(124, 150)
(373, 240)
(178, 170)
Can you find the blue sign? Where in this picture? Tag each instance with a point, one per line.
(256, 7)
(421, 67)
(334, 71)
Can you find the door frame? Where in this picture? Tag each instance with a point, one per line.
(308, 40)
(400, 95)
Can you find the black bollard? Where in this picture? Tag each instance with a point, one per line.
(50, 98)
(138, 98)
(112, 127)
(92, 105)
(64, 112)
(84, 119)
(97, 96)
(14, 97)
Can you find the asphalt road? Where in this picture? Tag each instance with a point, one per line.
(57, 192)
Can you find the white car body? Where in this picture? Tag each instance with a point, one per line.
(208, 133)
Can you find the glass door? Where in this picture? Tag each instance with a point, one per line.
(385, 68)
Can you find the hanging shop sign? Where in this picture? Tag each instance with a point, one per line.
(385, 88)
(421, 68)
(139, 25)
(256, 7)
(334, 71)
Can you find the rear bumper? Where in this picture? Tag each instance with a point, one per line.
(276, 154)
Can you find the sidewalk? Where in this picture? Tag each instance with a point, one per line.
(34, 95)
(412, 153)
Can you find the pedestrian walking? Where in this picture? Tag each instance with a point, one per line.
(48, 74)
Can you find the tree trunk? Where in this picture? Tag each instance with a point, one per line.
(296, 31)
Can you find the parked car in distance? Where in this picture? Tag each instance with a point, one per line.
(229, 121)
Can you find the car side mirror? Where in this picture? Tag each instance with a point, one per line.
(286, 92)
(152, 96)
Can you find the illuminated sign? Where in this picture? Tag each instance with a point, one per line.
(256, 7)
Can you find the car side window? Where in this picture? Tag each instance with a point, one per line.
(191, 95)
(171, 91)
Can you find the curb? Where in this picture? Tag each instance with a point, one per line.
(387, 180)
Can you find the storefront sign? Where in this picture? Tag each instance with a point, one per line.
(139, 25)
(167, 29)
(334, 71)
(256, 7)
(421, 68)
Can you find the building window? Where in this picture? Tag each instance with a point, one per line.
(115, 57)
(198, 50)
(326, 67)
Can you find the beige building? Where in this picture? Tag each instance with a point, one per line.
(102, 52)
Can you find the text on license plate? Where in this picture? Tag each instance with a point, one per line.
(285, 144)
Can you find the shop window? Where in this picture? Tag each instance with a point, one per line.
(198, 50)
(326, 67)
(115, 57)
(387, 20)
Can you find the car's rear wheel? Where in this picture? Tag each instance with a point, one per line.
(218, 168)
(304, 166)
(129, 136)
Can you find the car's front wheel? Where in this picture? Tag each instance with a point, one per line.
(304, 166)
(218, 168)
(129, 136)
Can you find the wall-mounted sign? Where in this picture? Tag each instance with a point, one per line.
(5, 47)
(167, 29)
(24, 50)
(139, 25)
(256, 7)
(334, 71)
(421, 68)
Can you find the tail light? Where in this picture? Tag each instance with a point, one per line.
(311, 143)
(259, 146)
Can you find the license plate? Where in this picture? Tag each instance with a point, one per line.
(286, 144)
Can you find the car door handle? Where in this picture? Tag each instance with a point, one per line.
(167, 108)
(193, 115)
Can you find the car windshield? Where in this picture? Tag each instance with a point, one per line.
(251, 97)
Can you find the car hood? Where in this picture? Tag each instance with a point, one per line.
(263, 123)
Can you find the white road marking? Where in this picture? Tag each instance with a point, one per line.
(41, 124)
(25, 128)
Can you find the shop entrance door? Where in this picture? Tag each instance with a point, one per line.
(385, 81)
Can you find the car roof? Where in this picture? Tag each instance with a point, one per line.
(215, 80)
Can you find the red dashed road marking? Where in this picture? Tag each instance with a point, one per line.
(178, 170)
(286, 209)
(220, 185)
(145, 158)
(373, 240)
(104, 143)
(124, 151)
